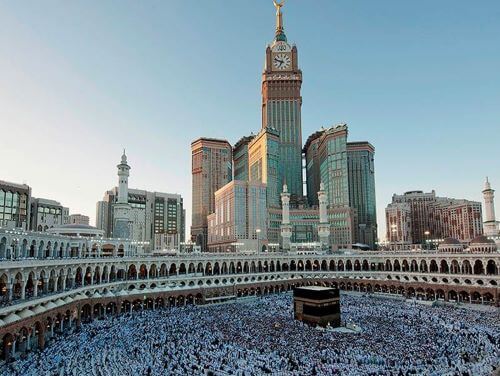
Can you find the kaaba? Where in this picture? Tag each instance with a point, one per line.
(317, 305)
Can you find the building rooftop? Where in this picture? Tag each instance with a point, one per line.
(451, 241)
(311, 138)
(47, 201)
(208, 139)
(360, 145)
(15, 185)
(77, 226)
(242, 141)
(481, 239)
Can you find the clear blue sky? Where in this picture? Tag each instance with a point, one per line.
(80, 80)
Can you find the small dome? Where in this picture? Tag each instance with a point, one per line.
(68, 300)
(481, 239)
(80, 297)
(11, 318)
(122, 293)
(2, 323)
(451, 241)
(25, 313)
(59, 302)
(50, 305)
(38, 309)
(97, 295)
(280, 37)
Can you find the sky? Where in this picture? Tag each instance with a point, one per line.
(81, 80)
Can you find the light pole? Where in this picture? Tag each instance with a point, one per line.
(394, 230)
(257, 231)
(427, 233)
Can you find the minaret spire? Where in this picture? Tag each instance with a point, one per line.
(280, 34)
(490, 224)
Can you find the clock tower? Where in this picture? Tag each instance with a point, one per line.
(281, 105)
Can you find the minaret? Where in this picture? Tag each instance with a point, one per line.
(324, 225)
(286, 228)
(123, 174)
(121, 222)
(490, 223)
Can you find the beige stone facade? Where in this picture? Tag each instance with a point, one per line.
(211, 170)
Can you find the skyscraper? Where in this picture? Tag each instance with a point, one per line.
(211, 170)
(361, 170)
(239, 221)
(313, 177)
(422, 213)
(332, 150)
(263, 161)
(281, 105)
(240, 158)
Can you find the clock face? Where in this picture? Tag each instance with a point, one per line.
(282, 61)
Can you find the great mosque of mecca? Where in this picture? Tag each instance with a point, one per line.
(53, 282)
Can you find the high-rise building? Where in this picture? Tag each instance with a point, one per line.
(274, 158)
(490, 222)
(104, 215)
(361, 170)
(458, 219)
(151, 214)
(398, 220)
(264, 165)
(211, 170)
(313, 176)
(281, 105)
(15, 205)
(240, 158)
(46, 214)
(150, 217)
(429, 218)
(332, 151)
(240, 218)
(422, 214)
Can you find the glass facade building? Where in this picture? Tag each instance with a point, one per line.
(285, 117)
(361, 168)
(240, 218)
(14, 205)
(264, 162)
(240, 158)
(333, 165)
(313, 177)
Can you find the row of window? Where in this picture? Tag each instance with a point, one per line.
(13, 199)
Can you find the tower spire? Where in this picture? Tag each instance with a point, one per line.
(280, 34)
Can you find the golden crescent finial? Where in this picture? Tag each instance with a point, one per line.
(278, 4)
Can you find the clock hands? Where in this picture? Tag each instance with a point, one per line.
(279, 61)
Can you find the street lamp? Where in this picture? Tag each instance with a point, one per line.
(257, 231)
(394, 230)
(427, 233)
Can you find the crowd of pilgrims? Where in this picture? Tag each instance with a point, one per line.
(260, 336)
